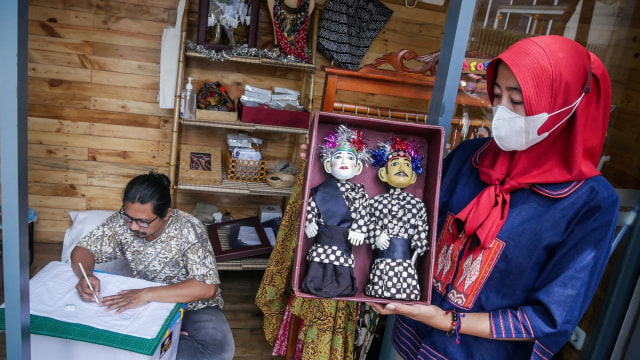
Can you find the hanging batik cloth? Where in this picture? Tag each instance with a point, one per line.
(291, 26)
(347, 28)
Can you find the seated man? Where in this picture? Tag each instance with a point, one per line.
(162, 245)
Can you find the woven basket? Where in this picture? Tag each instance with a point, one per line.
(280, 180)
(244, 170)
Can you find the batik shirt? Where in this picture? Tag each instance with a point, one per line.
(356, 198)
(181, 252)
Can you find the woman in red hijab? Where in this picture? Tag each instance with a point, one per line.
(526, 220)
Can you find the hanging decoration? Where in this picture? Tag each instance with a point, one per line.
(291, 26)
(243, 51)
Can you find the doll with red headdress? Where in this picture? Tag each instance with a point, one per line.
(397, 223)
(331, 211)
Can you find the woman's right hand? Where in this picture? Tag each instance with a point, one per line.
(427, 314)
(304, 147)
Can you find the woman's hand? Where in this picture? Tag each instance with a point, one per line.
(427, 314)
(303, 148)
(476, 324)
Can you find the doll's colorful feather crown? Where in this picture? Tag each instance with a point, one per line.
(398, 146)
(345, 139)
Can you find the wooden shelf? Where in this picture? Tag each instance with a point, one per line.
(239, 187)
(244, 126)
(258, 61)
(252, 263)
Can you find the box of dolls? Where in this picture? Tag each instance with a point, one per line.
(370, 206)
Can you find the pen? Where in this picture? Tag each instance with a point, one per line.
(88, 283)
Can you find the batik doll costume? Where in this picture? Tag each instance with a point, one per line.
(333, 206)
(525, 235)
(403, 217)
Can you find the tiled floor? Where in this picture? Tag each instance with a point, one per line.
(239, 289)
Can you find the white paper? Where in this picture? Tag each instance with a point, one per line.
(54, 287)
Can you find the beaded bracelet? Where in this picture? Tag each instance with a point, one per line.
(455, 324)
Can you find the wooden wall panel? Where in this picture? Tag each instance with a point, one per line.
(94, 121)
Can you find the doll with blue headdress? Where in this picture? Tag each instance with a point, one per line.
(397, 223)
(336, 214)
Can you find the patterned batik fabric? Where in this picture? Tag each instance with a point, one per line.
(183, 251)
(347, 28)
(402, 216)
(328, 330)
(356, 199)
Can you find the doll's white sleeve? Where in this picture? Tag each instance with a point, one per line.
(312, 211)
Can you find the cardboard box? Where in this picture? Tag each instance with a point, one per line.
(265, 115)
(72, 333)
(268, 212)
(427, 187)
(48, 347)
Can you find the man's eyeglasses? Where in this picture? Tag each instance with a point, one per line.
(140, 222)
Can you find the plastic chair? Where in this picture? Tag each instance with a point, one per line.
(31, 218)
(629, 208)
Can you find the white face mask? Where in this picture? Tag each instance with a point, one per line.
(514, 132)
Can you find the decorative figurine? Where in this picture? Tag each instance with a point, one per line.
(335, 212)
(397, 223)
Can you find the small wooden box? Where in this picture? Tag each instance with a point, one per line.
(244, 170)
(210, 115)
(200, 165)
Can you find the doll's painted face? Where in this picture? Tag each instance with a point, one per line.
(398, 172)
(343, 165)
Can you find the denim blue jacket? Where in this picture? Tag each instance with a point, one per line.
(535, 280)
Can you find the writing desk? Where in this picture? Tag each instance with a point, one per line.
(65, 327)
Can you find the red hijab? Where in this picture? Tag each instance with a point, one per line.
(552, 71)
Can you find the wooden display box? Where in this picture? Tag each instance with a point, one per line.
(229, 239)
(200, 165)
(267, 116)
(430, 140)
(251, 32)
(244, 170)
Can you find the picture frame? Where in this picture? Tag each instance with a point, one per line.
(200, 165)
(238, 239)
(206, 35)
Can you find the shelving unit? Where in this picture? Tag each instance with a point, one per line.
(211, 127)
(239, 187)
(249, 127)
